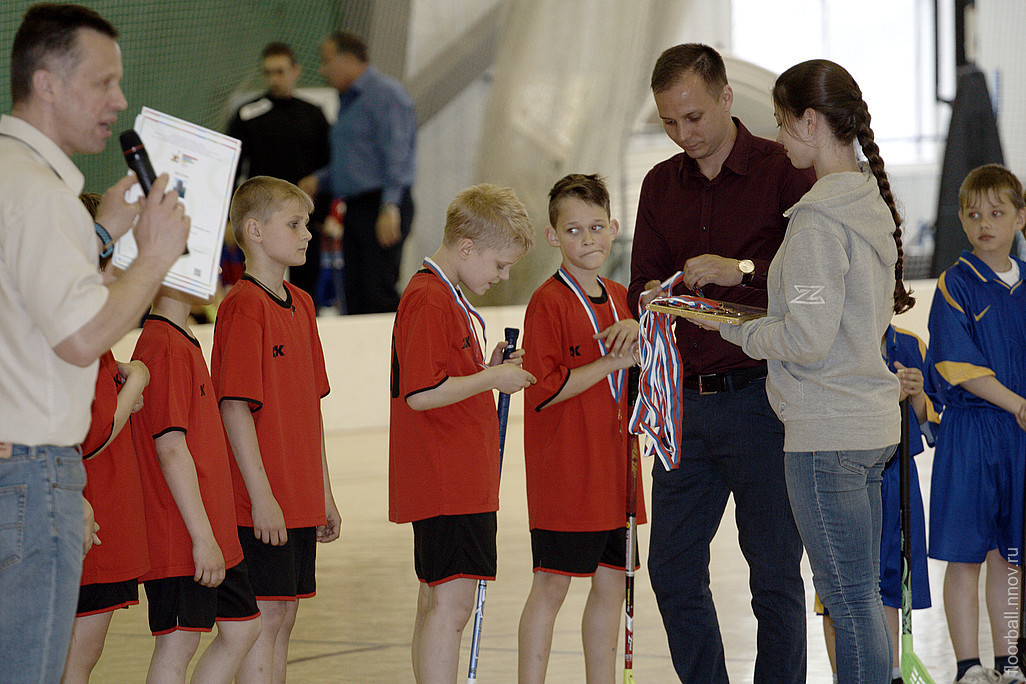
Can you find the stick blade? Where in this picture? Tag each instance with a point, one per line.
(913, 671)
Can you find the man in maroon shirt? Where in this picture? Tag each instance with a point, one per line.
(715, 211)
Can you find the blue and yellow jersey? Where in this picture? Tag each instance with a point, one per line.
(977, 328)
(906, 348)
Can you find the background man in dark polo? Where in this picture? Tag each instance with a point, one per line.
(715, 211)
(286, 137)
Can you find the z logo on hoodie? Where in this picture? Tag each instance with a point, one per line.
(808, 294)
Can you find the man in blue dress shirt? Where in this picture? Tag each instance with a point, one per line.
(372, 169)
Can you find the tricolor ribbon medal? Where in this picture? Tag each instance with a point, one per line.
(466, 307)
(616, 384)
(658, 411)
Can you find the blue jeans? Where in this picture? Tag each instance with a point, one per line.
(835, 496)
(732, 443)
(40, 559)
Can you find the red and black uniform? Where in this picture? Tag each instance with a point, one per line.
(114, 489)
(442, 461)
(576, 451)
(267, 353)
(181, 397)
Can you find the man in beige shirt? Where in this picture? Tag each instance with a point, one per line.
(58, 317)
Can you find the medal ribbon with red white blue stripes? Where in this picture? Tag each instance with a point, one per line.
(659, 410)
(468, 309)
(615, 385)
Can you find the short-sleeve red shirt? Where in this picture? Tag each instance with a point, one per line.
(576, 452)
(267, 352)
(443, 461)
(114, 489)
(180, 397)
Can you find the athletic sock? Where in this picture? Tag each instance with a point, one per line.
(1007, 662)
(962, 666)
(895, 675)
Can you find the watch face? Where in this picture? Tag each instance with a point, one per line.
(746, 266)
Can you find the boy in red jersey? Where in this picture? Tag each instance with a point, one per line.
(111, 570)
(443, 467)
(580, 335)
(197, 572)
(269, 376)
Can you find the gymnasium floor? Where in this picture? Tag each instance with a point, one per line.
(358, 627)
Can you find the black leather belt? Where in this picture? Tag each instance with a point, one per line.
(711, 383)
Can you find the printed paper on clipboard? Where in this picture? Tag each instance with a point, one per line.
(201, 164)
(687, 306)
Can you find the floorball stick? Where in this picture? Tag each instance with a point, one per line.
(633, 376)
(475, 643)
(913, 671)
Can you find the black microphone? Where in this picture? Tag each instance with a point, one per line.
(139, 162)
(137, 159)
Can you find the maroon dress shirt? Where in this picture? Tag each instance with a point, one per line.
(739, 215)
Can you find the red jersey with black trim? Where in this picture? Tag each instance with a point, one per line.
(577, 451)
(181, 397)
(114, 489)
(443, 461)
(267, 353)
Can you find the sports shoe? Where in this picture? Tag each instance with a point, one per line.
(978, 674)
(1013, 676)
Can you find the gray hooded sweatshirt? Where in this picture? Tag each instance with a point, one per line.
(831, 297)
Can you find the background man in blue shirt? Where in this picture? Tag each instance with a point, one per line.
(372, 169)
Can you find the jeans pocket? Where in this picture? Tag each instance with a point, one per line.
(849, 461)
(69, 473)
(12, 524)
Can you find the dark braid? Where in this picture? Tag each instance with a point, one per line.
(903, 299)
(829, 89)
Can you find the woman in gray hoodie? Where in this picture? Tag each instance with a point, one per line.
(833, 287)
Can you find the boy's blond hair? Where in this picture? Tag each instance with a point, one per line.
(490, 215)
(989, 178)
(258, 198)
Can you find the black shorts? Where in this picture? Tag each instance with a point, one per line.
(579, 554)
(185, 604)
(104, 597)
(282, 573)
(449, 547)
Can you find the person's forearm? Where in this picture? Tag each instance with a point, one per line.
(990, 388)
(918, 404)
(452, 390)
(127, 398)
(584, 377)
(328, 496)
(179, 472)
(241, 431)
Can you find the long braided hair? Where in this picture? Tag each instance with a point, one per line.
(829, 89)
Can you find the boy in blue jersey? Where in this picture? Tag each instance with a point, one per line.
(976, 368)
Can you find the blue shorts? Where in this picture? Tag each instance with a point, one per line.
(976, 492)
(890, 539)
